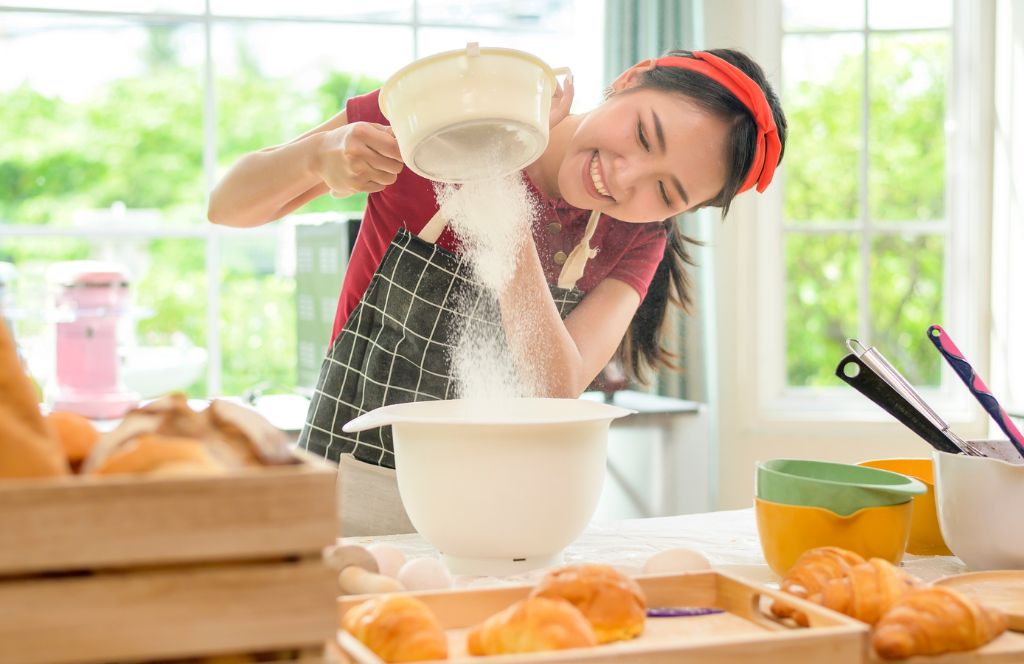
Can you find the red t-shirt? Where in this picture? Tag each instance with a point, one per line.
(626, 251)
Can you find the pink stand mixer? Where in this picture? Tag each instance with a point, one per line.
(92, 297)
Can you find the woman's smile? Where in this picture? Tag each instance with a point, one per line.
(594, 180)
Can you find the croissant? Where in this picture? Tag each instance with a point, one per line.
(612, 602)
(28, 445)
(936, 620)
(397, 628)
(809, 575)
(532, 625)
(867, 591)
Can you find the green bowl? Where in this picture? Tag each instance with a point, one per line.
(839, 487)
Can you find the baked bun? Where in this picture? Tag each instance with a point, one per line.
(232, 436)
(612, 603)
(160, 455)
(28, 445)
(397, 628)
(532, 625)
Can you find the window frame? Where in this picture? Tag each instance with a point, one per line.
(966, 247)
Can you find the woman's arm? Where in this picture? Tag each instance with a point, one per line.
(335, 156)
(567, 355)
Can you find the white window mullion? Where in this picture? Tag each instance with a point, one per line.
(864, 295)
(213, 350)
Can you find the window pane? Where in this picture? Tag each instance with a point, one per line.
(818, 15)
(269, 96)
(822, 86)
(907, 174)
(888, 15)
(532, 14)
(379, 10)
(906, 297)
(161, 344)
(257, 332)
(823, 272)
(118, 120)
(134, 6)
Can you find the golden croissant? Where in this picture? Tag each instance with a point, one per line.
(810, 573)
(613, 603)
(936, 620)
(867, 591)
(532, 625)
(397, 628)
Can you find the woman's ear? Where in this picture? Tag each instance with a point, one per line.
(631, 76)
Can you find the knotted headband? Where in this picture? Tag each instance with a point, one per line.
(750, 94)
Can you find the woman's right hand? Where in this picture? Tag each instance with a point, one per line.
(361, 156)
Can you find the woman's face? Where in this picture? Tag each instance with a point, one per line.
(644, 155)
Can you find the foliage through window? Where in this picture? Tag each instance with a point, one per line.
(865, 219)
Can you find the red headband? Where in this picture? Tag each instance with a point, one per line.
(750, 94)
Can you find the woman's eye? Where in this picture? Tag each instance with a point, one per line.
(642, 136)
(664, 194)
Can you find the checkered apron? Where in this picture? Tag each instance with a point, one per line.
(397, 343)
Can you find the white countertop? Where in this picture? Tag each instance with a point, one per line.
(728, 539)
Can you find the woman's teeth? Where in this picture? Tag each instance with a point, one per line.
(595, 175)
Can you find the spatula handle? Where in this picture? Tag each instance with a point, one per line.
(873, 387)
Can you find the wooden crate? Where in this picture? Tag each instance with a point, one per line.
(89, 522)
(137, 569)
(744, 632)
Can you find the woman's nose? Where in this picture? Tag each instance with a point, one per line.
(631, 173)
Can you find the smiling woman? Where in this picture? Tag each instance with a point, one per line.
(680, 132)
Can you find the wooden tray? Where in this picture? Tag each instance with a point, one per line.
(744, 632)
(90, 522)
(163, 613)
(1003, 589)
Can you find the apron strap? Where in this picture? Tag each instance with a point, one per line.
(434, 228)
(572, 269)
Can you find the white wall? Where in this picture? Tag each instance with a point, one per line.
(1006, 377)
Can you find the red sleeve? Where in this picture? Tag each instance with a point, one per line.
(365, 108)
(638, 265)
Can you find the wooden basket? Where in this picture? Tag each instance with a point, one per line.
(134, 568)
(745, 632)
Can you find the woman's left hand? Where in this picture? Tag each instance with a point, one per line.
(561, 100)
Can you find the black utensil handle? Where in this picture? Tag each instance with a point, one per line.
(873, 387)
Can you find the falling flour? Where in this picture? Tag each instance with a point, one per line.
(491, 218)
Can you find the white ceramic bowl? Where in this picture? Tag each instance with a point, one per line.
(978, 501)
(498, 486)
(470, 114)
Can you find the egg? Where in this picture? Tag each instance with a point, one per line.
(425, 574)
(389, 558)
(675, 561)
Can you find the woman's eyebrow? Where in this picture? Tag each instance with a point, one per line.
(659, 132)
(679, 186)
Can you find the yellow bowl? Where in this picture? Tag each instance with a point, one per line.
(786, 531)
(925, 535)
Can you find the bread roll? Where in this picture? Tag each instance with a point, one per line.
(397, 628)
(28, 445)
(532, 625)
(160, 455)
(612, 603)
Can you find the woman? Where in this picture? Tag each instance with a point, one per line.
(689, 130)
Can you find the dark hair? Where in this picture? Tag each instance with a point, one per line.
(641, 347)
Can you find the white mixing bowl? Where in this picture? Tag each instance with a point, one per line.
(471, 114)
(978, 501)
(498, 486)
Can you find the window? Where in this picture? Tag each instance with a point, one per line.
(109, 154)
(881, 204)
